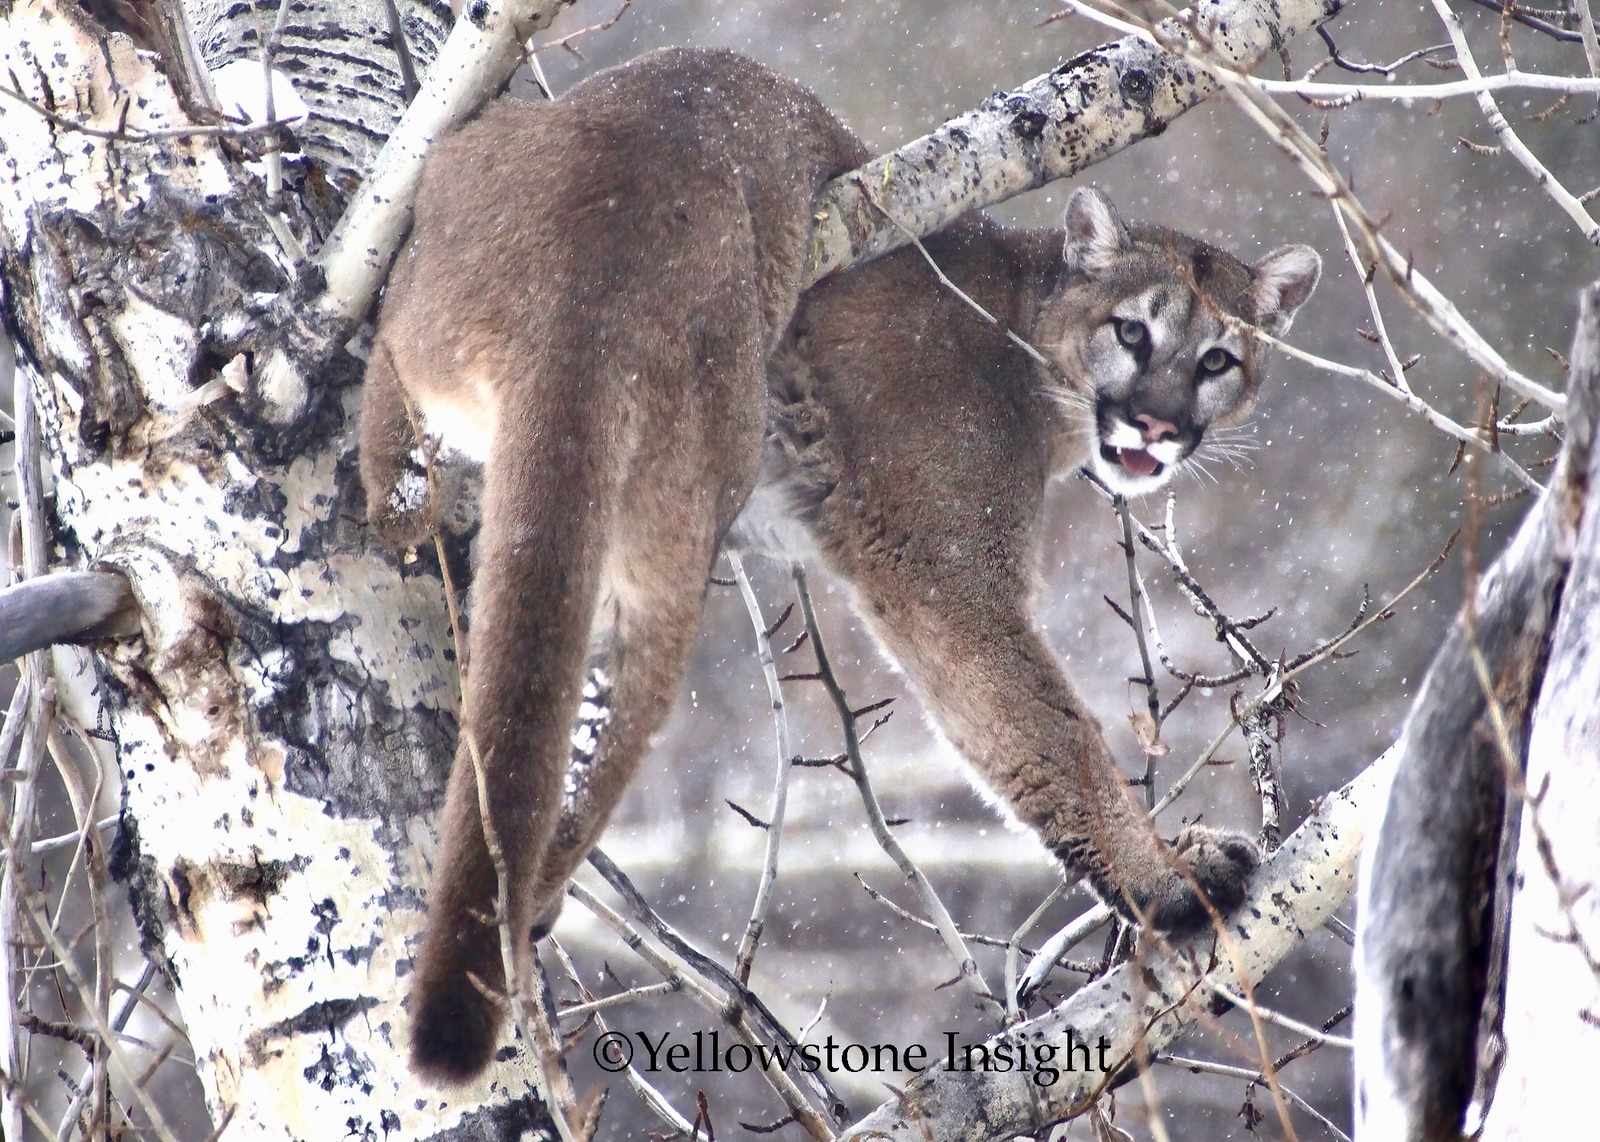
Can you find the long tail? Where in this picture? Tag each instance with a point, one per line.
(548, 501)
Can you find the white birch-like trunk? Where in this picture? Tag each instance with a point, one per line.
(283, 726)
(1552, 1011)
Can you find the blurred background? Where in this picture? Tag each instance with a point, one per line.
(1347, 491)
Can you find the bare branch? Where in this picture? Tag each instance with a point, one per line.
(966, 966)
(1048, 128)
(780, 790)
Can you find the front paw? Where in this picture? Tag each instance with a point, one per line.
(1220, 862)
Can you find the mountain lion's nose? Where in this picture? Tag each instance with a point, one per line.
(1155, 430)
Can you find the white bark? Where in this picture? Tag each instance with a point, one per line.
(284, 724)
(1051, 127)
(478, 58)
(1427, 959)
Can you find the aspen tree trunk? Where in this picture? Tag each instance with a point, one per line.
(1427, 961)
(283, 725)
(1552, 1011)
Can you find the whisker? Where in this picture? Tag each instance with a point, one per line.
(1076, 413)
(1238, 461)
(1196, 467)
(1068, 398)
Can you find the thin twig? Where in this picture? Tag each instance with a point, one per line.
(1280, 1019)
(1136, 597)
(745, 957)
(1468, 436)
(566, 41)
(741, 1006)
(648, 1094)
(675, 969)
(1508, 137)
(966, 966)
(1014, 950)
(126, 134)
(1254, 1077)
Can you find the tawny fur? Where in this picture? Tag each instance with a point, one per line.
(600, 296)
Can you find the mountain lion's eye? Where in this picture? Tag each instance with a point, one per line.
(1131, 333)
(1216, 360)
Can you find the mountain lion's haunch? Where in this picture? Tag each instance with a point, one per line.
(600, 300)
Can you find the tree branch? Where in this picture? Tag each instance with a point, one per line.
(1051, 127)
(479, 56)
(1152, 998)
(68, 606)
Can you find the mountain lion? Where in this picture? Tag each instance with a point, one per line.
(600, 301)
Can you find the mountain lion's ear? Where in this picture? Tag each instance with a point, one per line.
(1284, 280)
(1095, 235)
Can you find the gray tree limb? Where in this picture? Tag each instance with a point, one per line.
(68, 606)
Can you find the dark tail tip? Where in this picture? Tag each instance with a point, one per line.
(453, 1031)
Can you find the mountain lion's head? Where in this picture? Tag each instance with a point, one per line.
(1145, 333)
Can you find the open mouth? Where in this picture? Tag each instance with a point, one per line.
(1134, 461)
